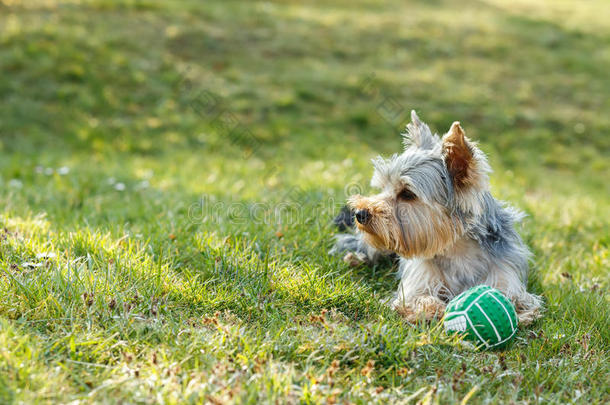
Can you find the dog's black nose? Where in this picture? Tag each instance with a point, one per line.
(363, 216)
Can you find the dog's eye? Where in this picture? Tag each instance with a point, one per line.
(406, 195)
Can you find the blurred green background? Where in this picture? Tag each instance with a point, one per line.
(119, 117)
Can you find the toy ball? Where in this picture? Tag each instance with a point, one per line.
(484, 315)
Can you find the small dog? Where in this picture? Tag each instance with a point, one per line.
(435, 211)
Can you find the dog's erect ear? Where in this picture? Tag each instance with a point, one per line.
(458, 154)
(465, 162)
(418, 134)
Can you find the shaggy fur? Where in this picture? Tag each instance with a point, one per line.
(435, 211)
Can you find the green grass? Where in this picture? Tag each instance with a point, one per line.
(116, 287)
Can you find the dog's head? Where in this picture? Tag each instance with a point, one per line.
(427, 194)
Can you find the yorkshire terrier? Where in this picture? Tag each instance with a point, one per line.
(435, 211)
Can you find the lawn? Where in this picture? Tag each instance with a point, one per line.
(169, 171)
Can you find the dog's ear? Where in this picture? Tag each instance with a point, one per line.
(418, 134)
(466, 164)
(458, 155)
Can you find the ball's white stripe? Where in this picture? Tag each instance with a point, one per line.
(457, 313)
(490, 322)
(476, 300)
(504, 340)
(510, 319)
(460, 298)
(475, 331)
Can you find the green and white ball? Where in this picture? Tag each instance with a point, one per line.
(484, 315)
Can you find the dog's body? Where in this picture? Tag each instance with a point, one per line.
(436, 212)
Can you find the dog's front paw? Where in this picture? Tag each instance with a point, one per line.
(345, 242)
(529, 308)
(354, 259)
(354, 249)
(426, 308)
